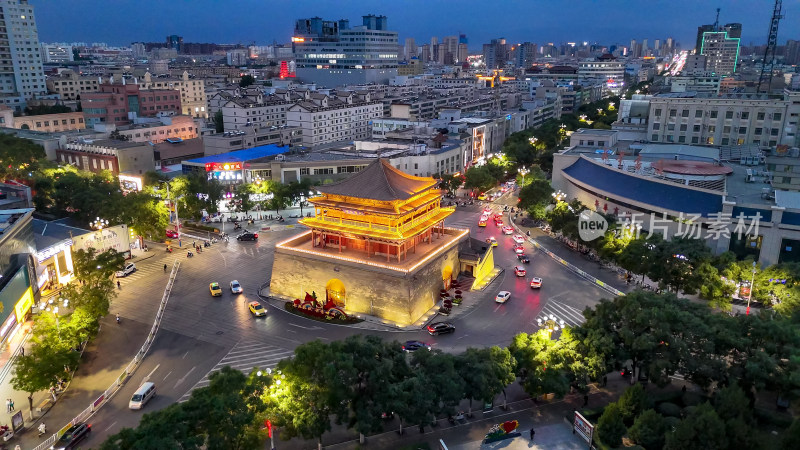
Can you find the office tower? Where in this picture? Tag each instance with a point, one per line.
(463, 53)
(700, 31)
(669, 46)
(54, 53)
(645, 47)
(451, 44)
(462, 39)
(21, 73)
(434, 41)
(495, 53)
(734, 30)
(175, 42)
(634, 49)
(525, 54)
(138, 50)
(791, 54)
(410, 49)
(333, 53)
(721, 52)
(425, 53)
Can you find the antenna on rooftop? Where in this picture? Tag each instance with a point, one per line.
(716, 21)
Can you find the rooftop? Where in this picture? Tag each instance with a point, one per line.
(9, 218)
(250, 154)
(384, 182)
(49, 233)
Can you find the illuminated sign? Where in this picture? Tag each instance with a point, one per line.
(53, 250)
(129, 183)
(299, 39)
(217, 167)
(24, 304)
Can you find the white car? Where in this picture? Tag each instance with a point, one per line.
(519, 250)
(502, 297)
(518, 239)
(236, 288)
(214, 219)
(536, 283)
(129, 269)
(508, 230)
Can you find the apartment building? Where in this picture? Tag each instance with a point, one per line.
(134, 158)
(50, 123)
(249, 137)
(119, 104)
(70, 85)
(192, 90)
(21, 72)
(243, 108)
(703, 118)
(609, 72)
(159, 129)
(337, 117)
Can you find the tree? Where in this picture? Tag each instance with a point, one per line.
(648, 430)
(479, 177)
(536, 193)
(298, 192)
(445, 385)
(779, 285)
(281, 197)
(42, 366)
(94, 268)
(486, 372)
(145, 214)
(632, 402)
(19, 158)
(246, 80)
(702, 429)
(610, 425)
(544, 369)
(219, 121)
(450, 183)
(791, 438)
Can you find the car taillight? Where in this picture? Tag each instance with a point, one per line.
(256, 235)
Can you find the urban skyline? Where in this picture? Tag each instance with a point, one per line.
(92, 21)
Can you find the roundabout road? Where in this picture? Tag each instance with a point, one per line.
(200, 333)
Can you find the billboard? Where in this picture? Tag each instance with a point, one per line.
(583, 427)
(116, 237)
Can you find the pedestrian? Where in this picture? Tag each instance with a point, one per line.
(119, 286)
(683, 389)
(585, 399)
(194, 244)
(165, 268)
(12, 404)
(533, 432)
(22, 351)
(605, 380)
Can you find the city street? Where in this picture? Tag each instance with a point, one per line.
(200, 333)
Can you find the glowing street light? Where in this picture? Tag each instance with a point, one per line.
(559, 196)
(523, 171)
(550, 324)
(98, 224)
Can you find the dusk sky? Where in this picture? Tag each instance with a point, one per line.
(120, 22)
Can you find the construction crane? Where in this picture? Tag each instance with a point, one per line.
(767, 65)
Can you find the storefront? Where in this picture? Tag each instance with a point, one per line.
(17, 298)
(54, 265)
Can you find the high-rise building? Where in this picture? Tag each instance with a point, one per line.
(334, 54)
(734, 30)
(21, 73)
(495, 53)
(410, 49)
(451, 45)
(175, 42)
(463, 53)
(138, 50)
(700, 31)
(634, 49)
(721, 52)
(645, 47)
(425, 53)
(524, 54)
(462, 39)
(791, 54)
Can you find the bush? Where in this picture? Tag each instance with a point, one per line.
(669, 409)
(648, 430)
(611, 427)
(632, 402)
(776, 419)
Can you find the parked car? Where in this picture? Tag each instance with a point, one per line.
(127, 270)
(519, 271)
(440, 328)
(256, 309)
(72, 437)
(214, 219)
(247, 236)
(215, 290)
(236, 288)
(412, 346)
(536, 283)
(523, 258)
(502, 296)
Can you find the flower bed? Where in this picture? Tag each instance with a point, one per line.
(320, 316)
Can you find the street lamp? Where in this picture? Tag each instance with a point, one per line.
(523, 171)
(177, 220)
(550, 324)
(98, 224)
(750, 294)
(559, 196)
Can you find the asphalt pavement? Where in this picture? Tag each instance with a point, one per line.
(200, 334)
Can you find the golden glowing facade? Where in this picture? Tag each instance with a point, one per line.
(379, 211)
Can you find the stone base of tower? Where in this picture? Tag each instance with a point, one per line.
(399, 293)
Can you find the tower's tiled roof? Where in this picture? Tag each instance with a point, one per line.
(379, 181)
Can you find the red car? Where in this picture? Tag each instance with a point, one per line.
(172, 234)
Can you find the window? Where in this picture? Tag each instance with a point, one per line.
(745, 115)
(698, 113)
(304, 171)
(772, 132)
(695, 140)
(726, 129)
(324, 171)
(728, 115)
(656, 126)
(657, 112)
(673, 112)
(724, 141)
(654, 138)
(758, 131)
(696, 129)
(713, 114)
(683, 127)
(670, 127)
(742, 130)
(760, 116)
(776, 116)
(685, 113)
(681, 139)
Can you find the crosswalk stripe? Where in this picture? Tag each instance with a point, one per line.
(244, 356)
(566, 312)
(563, 312)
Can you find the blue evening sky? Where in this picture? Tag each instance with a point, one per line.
(120, 22)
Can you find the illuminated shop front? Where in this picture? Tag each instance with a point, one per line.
(55, 264)
(17, 298)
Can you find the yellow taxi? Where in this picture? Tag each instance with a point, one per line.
(482, 197)
(256, 309)
(482, 223)
(215, 290)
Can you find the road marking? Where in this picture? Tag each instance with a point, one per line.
(291, 331)
(152, 372)
(462, 337)
(305, 328)
(184, 355)
(165, 378)
(110, 426)
(184, 377)
(498, 306)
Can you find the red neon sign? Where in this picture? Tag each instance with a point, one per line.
(217, 167)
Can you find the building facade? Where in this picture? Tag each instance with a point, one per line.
(331, 53)
(343, 116)
(52, 53)
(132, 158)
(610, 73)
(69, 85)
(119, 104)
(160, 129)
(192, 90)
(721, 52)
(21, 73)
(51, 123)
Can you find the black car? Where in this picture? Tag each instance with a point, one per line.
(412, 346)
(523, 258)
(440, 328)
(247, 236)
(72, 436)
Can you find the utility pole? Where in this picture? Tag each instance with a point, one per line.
(768, 63)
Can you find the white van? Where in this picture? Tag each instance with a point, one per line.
(142, 395)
